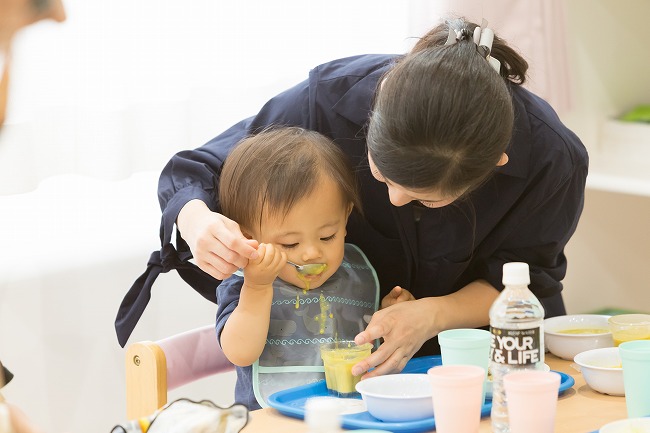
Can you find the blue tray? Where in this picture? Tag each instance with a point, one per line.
(291, 402)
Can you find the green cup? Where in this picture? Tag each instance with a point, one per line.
(466, 346)
(635, 357)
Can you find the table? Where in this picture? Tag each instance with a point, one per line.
(579, 409)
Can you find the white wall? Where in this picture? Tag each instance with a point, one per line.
(140, 80)
(610, 65)
(71, 250)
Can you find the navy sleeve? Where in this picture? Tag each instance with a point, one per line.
(227, 300)
(194, 174)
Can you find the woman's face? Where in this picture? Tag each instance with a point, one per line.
(399, 196)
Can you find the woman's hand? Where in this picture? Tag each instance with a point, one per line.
(216, 242)
(396, 296)
(405, 327)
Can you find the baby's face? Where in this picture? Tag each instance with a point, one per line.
(312, 232)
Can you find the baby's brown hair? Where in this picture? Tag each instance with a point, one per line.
(267, 173)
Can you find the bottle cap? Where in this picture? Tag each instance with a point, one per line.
(516, 273)
(322, 414)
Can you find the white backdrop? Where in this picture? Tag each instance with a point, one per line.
(122, 85)
(98, 106)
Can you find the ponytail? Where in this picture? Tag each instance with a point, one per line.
(513, 66)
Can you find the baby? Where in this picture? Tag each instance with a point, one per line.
(292, 190)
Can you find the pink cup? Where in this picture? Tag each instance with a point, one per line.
(532, 400)
(457, 397)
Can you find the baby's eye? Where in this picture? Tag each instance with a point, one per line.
(328, 238)
(289, 246)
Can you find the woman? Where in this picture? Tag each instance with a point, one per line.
(461, 170)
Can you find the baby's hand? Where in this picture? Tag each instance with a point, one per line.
(396, 296)
(265, 269)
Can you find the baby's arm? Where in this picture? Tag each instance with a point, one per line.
(396, 296)
(244, 334)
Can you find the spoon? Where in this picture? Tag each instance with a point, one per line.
(309, 269)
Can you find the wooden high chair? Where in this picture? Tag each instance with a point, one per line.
(153, 368)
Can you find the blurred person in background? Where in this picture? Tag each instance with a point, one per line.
(14, 16)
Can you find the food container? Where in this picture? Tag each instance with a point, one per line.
(338, 359)
(629, 327)
(397, 397)
(566, 336)
(602, 370)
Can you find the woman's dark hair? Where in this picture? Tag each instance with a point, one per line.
(267, 173)
(443, 116)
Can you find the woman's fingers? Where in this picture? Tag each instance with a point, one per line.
(400, 327)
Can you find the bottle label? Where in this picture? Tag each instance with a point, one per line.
(515, 346)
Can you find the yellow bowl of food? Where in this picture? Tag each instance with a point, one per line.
(629, 327)
(566, 336)
(338, 359)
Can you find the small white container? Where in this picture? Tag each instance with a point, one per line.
(625, 140)
(397, 397)
(602, 370)
(568, 345)
(636, 425)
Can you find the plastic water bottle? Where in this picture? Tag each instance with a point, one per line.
(517, 326)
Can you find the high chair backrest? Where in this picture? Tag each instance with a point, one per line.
(153, 368)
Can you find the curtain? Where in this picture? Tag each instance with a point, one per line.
(535, 28)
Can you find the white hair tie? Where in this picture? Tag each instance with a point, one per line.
(482, 37)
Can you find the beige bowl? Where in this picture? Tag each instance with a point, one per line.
(566, 336)
(602, 370)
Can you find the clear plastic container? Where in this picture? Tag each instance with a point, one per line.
(517, 327)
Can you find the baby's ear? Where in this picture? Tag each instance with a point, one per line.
(350, 207)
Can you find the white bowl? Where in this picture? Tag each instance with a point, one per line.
(602, 370)
(397, 397)
(568, 345)
(636, 425)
